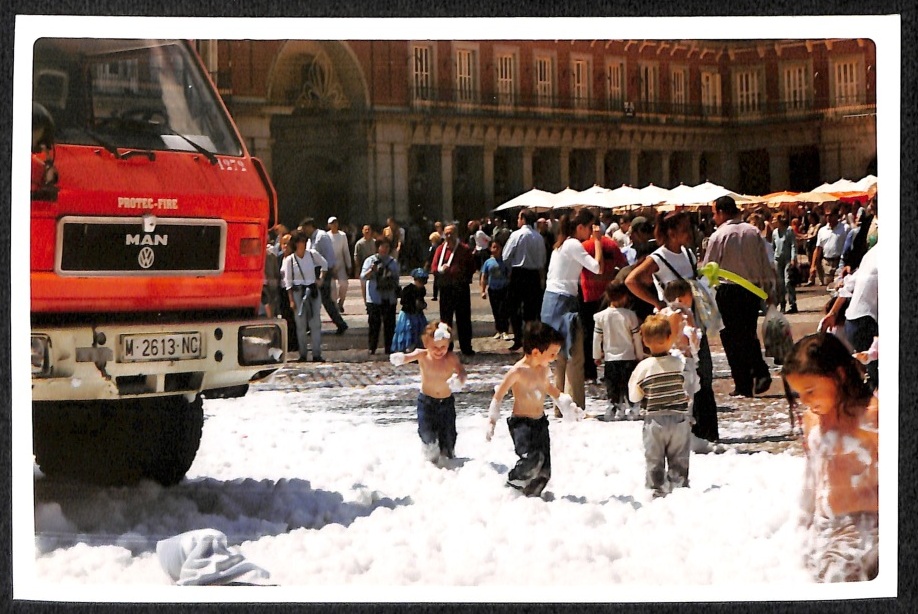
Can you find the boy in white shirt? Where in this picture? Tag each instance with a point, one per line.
(617, 343)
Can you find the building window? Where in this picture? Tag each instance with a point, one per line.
(846, 88)
(466, 64)
(581, 78)
(506, 79)
(615, 81)
(795, 87)
(544, 80)
(422, 72)
(679, 88)
(649, 77)
(748, 92)
(710, 92)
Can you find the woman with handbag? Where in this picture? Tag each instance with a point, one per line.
(674, 260)
(560, 308)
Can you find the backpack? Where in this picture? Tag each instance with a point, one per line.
(704, 306)
(386, 280)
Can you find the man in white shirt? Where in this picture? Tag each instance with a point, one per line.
(526, 255)
(321, 242)
(303, 294)
(862, 311)
(339, 273)
(830, 242)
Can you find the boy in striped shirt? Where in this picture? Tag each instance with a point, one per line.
(658, 384)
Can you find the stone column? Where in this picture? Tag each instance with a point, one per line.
(527, 168)
(446, 176)
(664, 170)
(385, 195)
(400, 181)
(696, 168)
(730, 168)
(487, 154)
(564, 162)
(372, 204)
(600, 174)
(778, 168)
(633, 168)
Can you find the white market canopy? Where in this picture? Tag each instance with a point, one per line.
(624, 196)
(864, 184)
(536, 199)
(842, 185)
(568, 197)
(652, 195)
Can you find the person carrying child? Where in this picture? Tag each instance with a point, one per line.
(530, 380)
(411, 320)
(686, 335)
(658, 382)
(441, 374)
(617, 344)
(495, 279)
(840, 499)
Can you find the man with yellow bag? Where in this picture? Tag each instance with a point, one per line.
(738, 247)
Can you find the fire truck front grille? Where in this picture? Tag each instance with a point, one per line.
(129, 246)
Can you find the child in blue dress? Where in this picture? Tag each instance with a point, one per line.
(411, 321)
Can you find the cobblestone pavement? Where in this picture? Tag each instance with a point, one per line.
(746, 425)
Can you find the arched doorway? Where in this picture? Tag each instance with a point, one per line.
(320, 141)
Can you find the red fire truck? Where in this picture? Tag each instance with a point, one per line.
(149, 222)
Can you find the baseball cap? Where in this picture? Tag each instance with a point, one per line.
(640, 224)
(332, 219)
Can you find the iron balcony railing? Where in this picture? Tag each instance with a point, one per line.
(450, 101)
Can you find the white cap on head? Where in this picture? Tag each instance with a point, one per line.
(332, 219)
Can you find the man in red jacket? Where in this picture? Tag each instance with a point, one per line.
(454, 265)
(592, 287)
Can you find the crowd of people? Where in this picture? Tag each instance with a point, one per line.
(630, 298)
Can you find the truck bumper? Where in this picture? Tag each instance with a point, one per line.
(143, 360)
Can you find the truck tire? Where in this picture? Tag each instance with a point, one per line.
(118, 443)
(177, 437)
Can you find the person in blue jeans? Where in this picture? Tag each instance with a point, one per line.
(441, 374)
(495, 280)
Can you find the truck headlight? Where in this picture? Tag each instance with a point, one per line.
(260, 344)
(41, 355)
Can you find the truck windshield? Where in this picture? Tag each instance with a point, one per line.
(137, 94)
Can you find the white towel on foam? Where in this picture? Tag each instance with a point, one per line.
(202, 557)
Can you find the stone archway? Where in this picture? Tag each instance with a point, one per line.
(317, 74)
(320, 144)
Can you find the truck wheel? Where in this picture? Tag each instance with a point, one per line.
(117, 443)
(88, 441)
(179, 424)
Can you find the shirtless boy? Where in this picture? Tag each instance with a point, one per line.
(441, 374)
(530, 380)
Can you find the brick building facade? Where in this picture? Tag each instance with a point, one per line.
(450, 129)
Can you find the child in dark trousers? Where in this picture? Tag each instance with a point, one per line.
(658, 383)
(530, 380)
(617, 344)
(441, 375)
(495, 278)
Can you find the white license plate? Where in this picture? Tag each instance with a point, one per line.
(163, 346)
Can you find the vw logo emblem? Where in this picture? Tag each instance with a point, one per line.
(145, 258)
